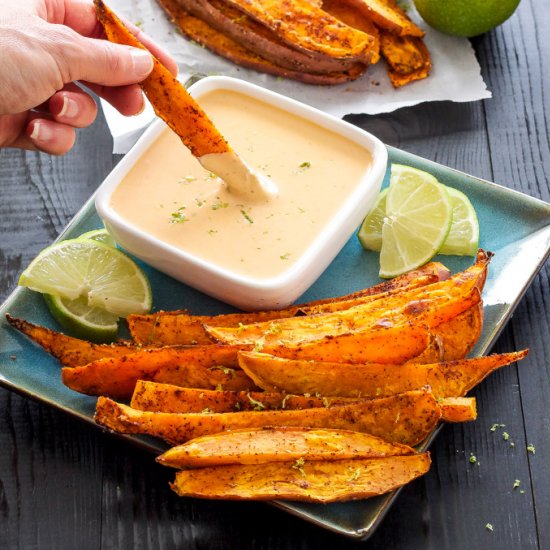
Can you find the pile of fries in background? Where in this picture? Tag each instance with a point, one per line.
(313, 41)
(319, 402)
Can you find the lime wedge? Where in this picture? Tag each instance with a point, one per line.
(82, 320)
(463, 236)
(99, 235)
(370, 232)
(418, 219)
(103, 275)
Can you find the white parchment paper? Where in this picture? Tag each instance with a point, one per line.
(455, 75)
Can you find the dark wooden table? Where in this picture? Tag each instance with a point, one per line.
(66, 485)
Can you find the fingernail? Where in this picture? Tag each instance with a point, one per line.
(41, 132)
(69, 108)
(143, 62)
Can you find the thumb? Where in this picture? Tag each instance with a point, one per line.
(101, 62)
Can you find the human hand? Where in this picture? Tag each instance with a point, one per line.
(49, 45)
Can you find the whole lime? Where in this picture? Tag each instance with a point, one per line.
(465, 17)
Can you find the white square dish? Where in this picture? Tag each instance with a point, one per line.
(210, 276)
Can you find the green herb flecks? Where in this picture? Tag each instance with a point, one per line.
(531, 448)
(489, 527)
(220, 204)
(246, 216)
(517, 483)
(355, 474)
(299, 465)
(256, 405)
(306, 164)
(178, 216)
(225, 370)
(285, 256)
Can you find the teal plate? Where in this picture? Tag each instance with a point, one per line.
(513, 226)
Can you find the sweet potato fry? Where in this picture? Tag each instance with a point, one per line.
(404, 54)
(458, 409)
(448, 379)
(405, 418)
(317, 481)
(157, 397)
(200, 367)
(199, 31)
(306, 27)
(388, 15)
(278, 445)
(70, 351)
(169, 98)
(181, 328)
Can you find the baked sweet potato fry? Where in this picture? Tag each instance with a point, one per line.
(388, 15)
(458, 409)
(448, 379)
(168, 97)
(316, 481)
(404, 54)
(406, 418)
(70, 351)
(181, 328)
(200, 367)
(306, 27)
(199, 31)
(278, 445)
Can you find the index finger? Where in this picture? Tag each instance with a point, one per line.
(80, 16)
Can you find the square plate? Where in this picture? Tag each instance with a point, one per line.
(514, 226)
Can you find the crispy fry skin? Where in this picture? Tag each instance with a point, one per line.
(278, 445)
(181, 328)
(432, 305)
(448, 379)
(406, 418)
(197, 30)
(169, 98)
(200, 367)
(70, 351)
(387, 15)
(308, 28)
(458, 409)
(317, 481)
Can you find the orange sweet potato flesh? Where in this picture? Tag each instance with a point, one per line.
(406, 418)
(458, 409)
(179, 327)
(158, 397)
(431, 305)
(446, 379)
(202, 33)
(70, 351)
(278, 445)
(169, 98)
(200, 367)
(388, 15)
(306, 27)
(316, 481)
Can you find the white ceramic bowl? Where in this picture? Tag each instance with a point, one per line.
(244, 292)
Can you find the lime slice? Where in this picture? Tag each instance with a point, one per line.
(463, 236)
(370, 232)
(418, 219)
(99, 235)
(103, 275)
(82, 320)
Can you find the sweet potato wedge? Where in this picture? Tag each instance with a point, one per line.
(431, 305)
(200, 367)
(406, 418)
(316, 481)
(458, 409)
(181, 328)
(404, 54)
(306, 27)
(70, 351)
(388, 15)
(169, 98)
(158, 397)
(278, 445)
(199, 31)
(448, 379)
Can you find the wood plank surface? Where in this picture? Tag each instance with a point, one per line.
(65, 485)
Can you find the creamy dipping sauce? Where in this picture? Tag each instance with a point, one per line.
(170, 195)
